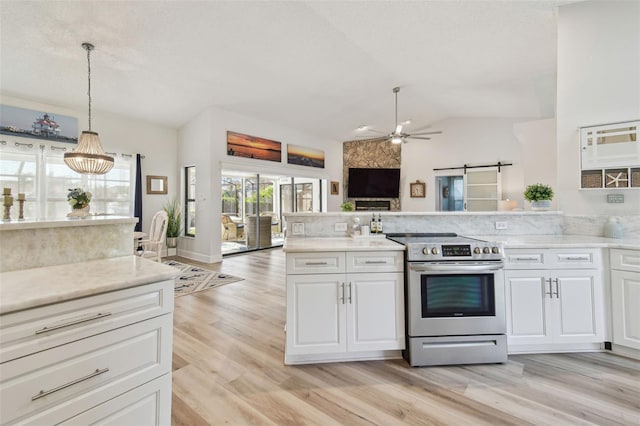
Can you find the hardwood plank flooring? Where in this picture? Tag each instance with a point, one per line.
(228, 352)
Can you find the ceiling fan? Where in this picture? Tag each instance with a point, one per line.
(398, 136)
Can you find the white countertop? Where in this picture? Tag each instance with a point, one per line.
(340, 244)
(30, 288)
(510, 241)
(560, 241)
(63, 222)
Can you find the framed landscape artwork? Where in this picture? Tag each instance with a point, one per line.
(304, 156)
(240, 145)
(29, 123)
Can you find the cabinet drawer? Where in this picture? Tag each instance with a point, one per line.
(149, 404)
(34, 330)
(552, 258)
(625, 260)
(85, 373)
(375, 261)
(312, 263)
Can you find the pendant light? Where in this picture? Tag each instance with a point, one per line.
(88, 157)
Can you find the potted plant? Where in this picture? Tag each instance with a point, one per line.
(347, 206)
(79, 200)
(540, 196)
(174, 225)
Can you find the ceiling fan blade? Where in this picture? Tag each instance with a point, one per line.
(418, 137)
(372, 139)
(398, 129)
(427, 126)
(427, 133)
(376, 131)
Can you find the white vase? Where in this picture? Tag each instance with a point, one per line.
(541, 205)
(83, 212)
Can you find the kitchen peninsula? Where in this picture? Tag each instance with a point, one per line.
(86, 327)
(567, 288)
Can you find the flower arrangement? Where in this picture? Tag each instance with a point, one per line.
(538, 192)
(78, 199)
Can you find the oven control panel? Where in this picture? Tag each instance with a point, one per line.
(434, 252)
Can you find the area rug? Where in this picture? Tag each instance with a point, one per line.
(193, 279)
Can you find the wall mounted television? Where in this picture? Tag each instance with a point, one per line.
(373, 183)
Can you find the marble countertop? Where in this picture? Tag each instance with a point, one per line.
(30, 288)
(64, 222)
(340, 244)
(560, 241)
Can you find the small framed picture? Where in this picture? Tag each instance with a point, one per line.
(418, 189)
(156, 184)
(335, 188)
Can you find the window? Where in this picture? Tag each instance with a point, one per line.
(42, 175)
(190, 201)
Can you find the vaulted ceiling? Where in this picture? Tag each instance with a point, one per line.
(320, 67)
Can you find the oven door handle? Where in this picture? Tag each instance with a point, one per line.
(455, 268)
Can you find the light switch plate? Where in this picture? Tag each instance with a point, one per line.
(340, 227)
(297, 228)
(501, 225)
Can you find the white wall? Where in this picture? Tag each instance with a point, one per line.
(203, 143)
(471, 141)
(125, 135)
(598, 83)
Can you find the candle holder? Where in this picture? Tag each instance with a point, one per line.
(21, 210)
(7, 212)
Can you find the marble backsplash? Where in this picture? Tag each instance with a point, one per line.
(467, 223)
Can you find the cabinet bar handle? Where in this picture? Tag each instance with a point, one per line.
(375, 262)
(342, 298)
(316, 263)
(557, 293)
(349, 293)
(73, 322)
(550, 292)
(586, 258)
(44, 393)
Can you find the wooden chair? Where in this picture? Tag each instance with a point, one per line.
(232, 230)
(157, 237)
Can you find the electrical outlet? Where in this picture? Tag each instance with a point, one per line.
(297, 228)
(340, 227)
(501, 225)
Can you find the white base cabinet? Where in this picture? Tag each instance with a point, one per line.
(625, 299)
(104, 358)
(354, 312)
(550, 308)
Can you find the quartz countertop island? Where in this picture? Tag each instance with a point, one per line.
(35, 287)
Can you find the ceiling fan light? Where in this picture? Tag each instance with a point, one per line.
(396, 139)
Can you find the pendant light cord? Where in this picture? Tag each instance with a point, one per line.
(89, 83)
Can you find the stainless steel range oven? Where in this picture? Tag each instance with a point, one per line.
(455, 307)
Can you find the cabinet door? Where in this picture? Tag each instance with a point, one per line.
(577, 298)
(625, 301)
(375, 311)
(527, 307)
(315, 314)
(483, 189)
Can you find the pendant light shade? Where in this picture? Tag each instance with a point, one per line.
(88, 157)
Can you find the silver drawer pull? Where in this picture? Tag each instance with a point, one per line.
(316, 263)
(587, 258)
(44, 393)
(73, 322)
(527, 258)
(375, 262)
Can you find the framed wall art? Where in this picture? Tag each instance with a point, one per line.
(304, 156)
(335, 188)
(156, 184)
(240, 145)
(29, 123)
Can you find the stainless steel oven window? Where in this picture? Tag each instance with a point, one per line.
(457, 295)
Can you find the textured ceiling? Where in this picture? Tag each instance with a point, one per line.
(321, 67)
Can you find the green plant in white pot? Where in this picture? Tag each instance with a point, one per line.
(174, 225)
(540, 196)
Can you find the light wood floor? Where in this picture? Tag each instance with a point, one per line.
(228, 369)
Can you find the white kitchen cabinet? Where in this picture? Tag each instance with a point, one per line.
(625, 299)
(353, 312)
(550, 308)
(483, 189)
(65, 360)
